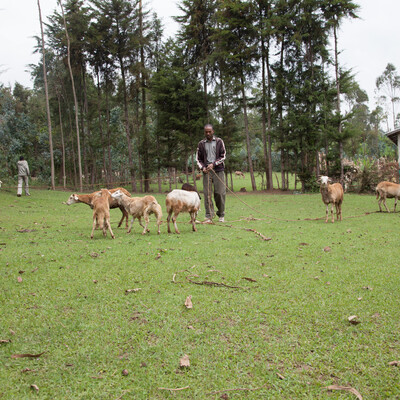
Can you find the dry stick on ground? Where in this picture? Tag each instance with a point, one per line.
(173, 390)
(213, 284)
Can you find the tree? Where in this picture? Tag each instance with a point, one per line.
(47, 100)
(238, 44)
(388, 86)
(334, 13)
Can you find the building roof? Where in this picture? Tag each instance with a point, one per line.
(392, 135)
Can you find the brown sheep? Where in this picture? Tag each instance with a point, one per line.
(331, 193)
(101, 213)
(88, 199)
(387, 190)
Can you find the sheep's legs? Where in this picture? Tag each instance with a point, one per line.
(193, 221)
(124, 215)
(327, 213)
(395, 204)
(94, 226)
(107, 222)
(168, 220)
(146, 222)
(383, 199)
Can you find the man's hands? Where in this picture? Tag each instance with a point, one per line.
(208, 168)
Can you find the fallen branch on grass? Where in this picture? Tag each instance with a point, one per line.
(213, 284)
(27, 355)
(346, 388)
(174, 390)
(266, 239)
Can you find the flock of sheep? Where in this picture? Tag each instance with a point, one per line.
(177, 201)
(188, 199)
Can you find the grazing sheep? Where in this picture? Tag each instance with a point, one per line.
(387, 190)
(101, 212)
(179, 201)
(239, 173)
(139, 207)
(88, 199)
(331, 193)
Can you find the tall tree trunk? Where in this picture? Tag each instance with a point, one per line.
(246, 129)
(145, 147)
(338, 104)
(75, 99)
(110, 171)
(127, 128)
(64, 177)
(47, 101)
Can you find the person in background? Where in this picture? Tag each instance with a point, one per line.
(210, 157)
(23, 174)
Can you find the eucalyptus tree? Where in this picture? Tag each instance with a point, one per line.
(47, 99)
(197, 24)
(264, 12)
(237, 34)
(122, 16)
(178, 98)
(388, 89)
(283, 25)
(335, 12)
(306, 57)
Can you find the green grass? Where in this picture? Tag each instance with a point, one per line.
(292, 321)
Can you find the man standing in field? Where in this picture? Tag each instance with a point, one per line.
(210, 157)
(23, 174)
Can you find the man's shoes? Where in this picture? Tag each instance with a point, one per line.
(18, 195)
(221, 219)
(207, 221)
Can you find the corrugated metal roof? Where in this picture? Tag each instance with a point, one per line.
(392, 135)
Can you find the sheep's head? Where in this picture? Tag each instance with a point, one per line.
(324, 180)
(72, 199)
(117, 194)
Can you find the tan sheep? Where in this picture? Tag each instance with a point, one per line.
(101, 212)
(387, 190)
(88, 199)
(331, 193)
(139, 207)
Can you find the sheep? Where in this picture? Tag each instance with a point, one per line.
(101, 212)
(331, 193)
(88, 199)
(387, 190)
(182, 201)
(139, 207)
(239, 173)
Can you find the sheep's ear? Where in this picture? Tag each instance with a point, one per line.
(75, 197)
(319, 179)
(330, 180)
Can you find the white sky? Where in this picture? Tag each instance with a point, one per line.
(368, 44)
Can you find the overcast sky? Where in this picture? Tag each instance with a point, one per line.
(368, 44)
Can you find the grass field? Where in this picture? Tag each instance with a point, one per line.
(269, 317)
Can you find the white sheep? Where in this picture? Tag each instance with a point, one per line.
(139, 207)
(179, 201)
(101, 212)
(331, 193)
(387, 190)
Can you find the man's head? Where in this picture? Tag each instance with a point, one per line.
(21, 158)
(208, 131)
